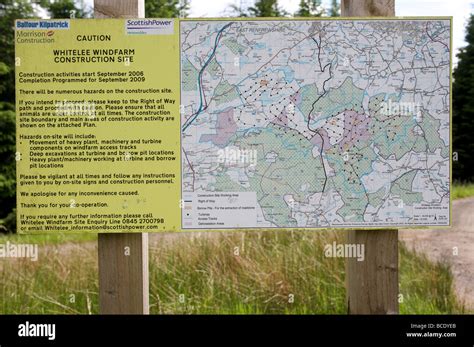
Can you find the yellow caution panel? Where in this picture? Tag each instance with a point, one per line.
(97, 125)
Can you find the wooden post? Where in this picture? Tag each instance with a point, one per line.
(367, 8)
(119, 8)
(123, 279)
(372, 284)
(123, 258)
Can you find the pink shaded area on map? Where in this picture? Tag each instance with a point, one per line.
(225, 129)
(318, 139)
(356, 127)
(282, 119)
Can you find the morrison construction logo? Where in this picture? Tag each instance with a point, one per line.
(38, 31)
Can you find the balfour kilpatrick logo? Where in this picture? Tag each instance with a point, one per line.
(28, 24)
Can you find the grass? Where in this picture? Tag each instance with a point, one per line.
(274, 272)
(254, 272)
(58, 283)
(462, 190)
(427, 287)
(47, 239)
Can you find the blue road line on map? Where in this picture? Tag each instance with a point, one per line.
(200, 109)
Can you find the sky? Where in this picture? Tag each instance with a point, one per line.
(459, 9)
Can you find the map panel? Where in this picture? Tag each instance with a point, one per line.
(315, 123)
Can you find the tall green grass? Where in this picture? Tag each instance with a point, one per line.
(62, 281)
(427, 287)
(462, 190)
(256, 272)
(232, 273)
(47, 239)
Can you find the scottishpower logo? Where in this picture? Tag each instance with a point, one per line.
(149, 26)
(42, 24)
